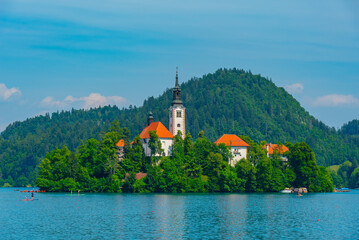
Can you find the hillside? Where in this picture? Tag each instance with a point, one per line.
(350, 132)
(227, 101)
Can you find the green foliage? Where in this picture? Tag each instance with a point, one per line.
(199, 166)
(247, 172)
(261, 110)
(155, 144)
(264, 175)
(354, 178)
(302, 160)
(345, 174)
(94, 168)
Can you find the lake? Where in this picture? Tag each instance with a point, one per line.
(179, 216)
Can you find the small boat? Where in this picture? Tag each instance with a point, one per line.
(286, 190)
(341, 190)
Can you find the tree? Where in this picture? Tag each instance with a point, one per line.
(178, 148)
(187, 144)
(228, 180)
(212, 168)
(154, 143)
(264, 175)
(108, 156)
(247, 173)
(302, 161)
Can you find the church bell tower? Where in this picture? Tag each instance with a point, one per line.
(177, 112)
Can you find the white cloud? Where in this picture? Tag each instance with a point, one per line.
(334, 100)
(6, 93)
(51, 102)
(294, 88)
(91, 101)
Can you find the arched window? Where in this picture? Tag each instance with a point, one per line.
(179, 114)
(178, 125)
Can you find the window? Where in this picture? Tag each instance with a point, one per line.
(178, 125)
(179, 114)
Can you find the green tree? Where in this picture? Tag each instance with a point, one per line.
(264, 175)
(155, 144)
(247, 173)
(302, 160)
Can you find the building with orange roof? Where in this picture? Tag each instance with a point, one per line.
(176, 124)
(276, 149)
(121, 150)
(238, 147)
(163, 134)
(120, 143)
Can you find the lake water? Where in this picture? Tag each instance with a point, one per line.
(179, 216)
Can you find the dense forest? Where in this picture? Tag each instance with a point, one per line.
(228, 101)
(347, 173)
(199, 166)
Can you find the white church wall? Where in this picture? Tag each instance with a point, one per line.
(238, 153)
(166, 144)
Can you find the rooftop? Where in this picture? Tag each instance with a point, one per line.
(231, 140)
(160, 129)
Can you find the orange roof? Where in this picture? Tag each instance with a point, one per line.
(271, 147)
(161, 131)
(231, 140)
(140, 175)
(120, 143)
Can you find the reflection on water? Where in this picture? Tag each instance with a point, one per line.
(179, 216)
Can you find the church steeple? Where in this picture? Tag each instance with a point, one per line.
(177, 85)
(177, 121)
(177, 101)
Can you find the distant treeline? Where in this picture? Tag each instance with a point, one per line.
(228, 101)
(199, 166)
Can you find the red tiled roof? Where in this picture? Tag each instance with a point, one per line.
(231, 140)
(120, 143)
(140, 175)
(161, 131)
(271, 147)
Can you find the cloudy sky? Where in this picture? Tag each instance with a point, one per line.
(57, 55)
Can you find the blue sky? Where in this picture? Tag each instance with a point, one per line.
(57, 55)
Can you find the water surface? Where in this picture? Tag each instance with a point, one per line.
(179, 216)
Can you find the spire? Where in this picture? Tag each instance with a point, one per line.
(177, 85)
(177, 92)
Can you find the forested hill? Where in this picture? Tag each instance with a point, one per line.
(227, 101)
(350, 132)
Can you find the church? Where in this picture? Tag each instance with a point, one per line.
(176, 123)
